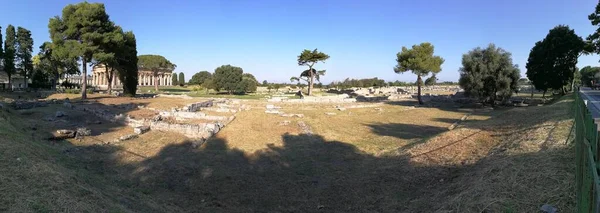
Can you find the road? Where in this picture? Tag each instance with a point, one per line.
(593, 101)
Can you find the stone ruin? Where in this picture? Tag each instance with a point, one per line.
(200, 131)
(342, 98)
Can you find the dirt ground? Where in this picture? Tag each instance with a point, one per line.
(386, 157)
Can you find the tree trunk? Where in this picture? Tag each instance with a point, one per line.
(109, 77)
(25, 81)
(544, 94)
(84, 78)
(310, 83)
(156, 81)
(419, 89)
(9, 81)
(55, 81)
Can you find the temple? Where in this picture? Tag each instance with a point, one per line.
(145, 78)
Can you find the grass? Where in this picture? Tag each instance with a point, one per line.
(381, 158)
(170, 89)
(247, 96)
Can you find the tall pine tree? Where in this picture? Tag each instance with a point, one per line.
(24, 53)
(9, 54)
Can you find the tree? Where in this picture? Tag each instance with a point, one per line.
(310, 58)
(593, 40)
(227, 77)
(24, 53)
(552, 61)
(588, 74)
(1, 50)
(80, 31)
(127, 64)
(265, 83)
(431, 80)
(10, 53)
(156, 64)
(174, 79)
(420, 61)
(56, 62)
(200, 77)
(181, 79)
(113, 42)
(248, 83)
(208, 84)
(489, 74)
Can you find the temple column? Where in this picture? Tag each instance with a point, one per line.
(170, 79)
(152, 80)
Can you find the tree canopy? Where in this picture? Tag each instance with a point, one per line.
(489, 74)
(248, 83)
(10, 51)
(24, 53)
(226, 77)
(589, 73)
(127, 64)
(552, 61)
(365, 82)
(174, 79)
(80, 32)
(431, 80)
(310, 59)
(181, 78)
(420, 61)
(200, 77)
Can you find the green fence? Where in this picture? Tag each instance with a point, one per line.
(586, 146)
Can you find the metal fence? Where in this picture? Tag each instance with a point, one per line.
(586, 146)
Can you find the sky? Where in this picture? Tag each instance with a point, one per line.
(264, 37)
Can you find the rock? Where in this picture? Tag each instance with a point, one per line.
(65, 133)
(341, 109)
(547, 208)
(284, 123)
(273, 112)
(157, 118)
(81, 132)
(59, 114)
(330, 113)
(271, 106)
(127, 137)
(49, 119)
(292, 115)
(141, 129)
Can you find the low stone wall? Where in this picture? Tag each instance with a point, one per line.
(197, 106)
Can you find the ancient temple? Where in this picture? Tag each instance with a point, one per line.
(145, 78)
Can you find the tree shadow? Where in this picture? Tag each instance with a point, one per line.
(306, 174)
(405, 131)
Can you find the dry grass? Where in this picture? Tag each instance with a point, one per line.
(390, 159)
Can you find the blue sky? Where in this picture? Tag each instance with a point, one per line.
(264, 37)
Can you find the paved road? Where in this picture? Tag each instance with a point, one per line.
(593, 99)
